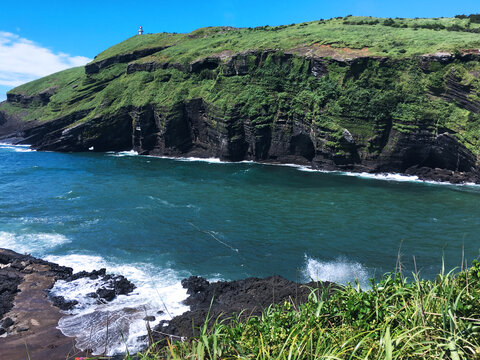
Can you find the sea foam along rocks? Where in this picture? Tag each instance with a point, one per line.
(14, 266)
(109, 286)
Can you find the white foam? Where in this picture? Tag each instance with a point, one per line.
(210, 160)
(35, 244)
(207, 160)
(17, 148)
(382, 176)
(8, 144)
(122, 153)
(340, 271)
(385, 176)
(157, 290)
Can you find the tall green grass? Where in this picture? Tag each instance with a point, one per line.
(397, 318)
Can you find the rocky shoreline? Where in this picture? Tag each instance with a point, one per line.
(423, 173)
(29, 315)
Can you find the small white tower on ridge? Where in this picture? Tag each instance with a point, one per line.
(140, 31)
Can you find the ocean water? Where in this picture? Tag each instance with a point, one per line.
(158, 220)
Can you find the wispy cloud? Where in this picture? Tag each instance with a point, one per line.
(22, 60)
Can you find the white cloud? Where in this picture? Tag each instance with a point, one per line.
(22, 60)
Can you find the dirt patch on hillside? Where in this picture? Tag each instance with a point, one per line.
(337, 53)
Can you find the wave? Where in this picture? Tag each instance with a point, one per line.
(211, 160)
(397, 177)
(122, 153)
(340, 271)
(119, 324)
(16, 148)
(35, 244)
(379, 176)
(382, 176)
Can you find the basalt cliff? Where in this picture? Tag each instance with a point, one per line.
(335, 95)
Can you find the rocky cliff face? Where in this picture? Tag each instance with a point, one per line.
(330, 114)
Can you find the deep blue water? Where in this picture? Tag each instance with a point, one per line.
(158, 220)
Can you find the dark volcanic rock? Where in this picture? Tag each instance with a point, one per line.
(460, 93)
(9, 281)
(11, 275)
(7, 322)
(14, 267)
(106, 294)
(195, 284)
(60, 302)
(208, 63)
(110, 286)
(122, 285)
(221, 300)
(92, 275)
(41, 99)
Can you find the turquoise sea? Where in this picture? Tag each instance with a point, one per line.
(159, 220)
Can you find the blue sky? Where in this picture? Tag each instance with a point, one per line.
(40, 37)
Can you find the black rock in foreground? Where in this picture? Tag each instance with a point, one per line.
(221, 300)
(27, 280)
(29, 314)
(12, 268)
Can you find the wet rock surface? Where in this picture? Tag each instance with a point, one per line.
(111, 286)
(13, 268)
(29, 319)
(220, 300)
(29, 314)
(62, 304)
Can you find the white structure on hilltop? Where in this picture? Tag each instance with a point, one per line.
(140, 31)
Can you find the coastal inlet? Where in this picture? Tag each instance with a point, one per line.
(157, 221)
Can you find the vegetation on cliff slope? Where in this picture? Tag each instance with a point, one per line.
(395, 319)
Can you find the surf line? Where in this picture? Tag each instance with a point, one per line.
(213, 236)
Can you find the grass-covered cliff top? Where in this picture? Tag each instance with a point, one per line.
(342, 38)
(345, 37)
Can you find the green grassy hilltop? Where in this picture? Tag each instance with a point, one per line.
(343, 37)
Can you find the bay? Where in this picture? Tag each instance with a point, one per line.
(159, 220)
